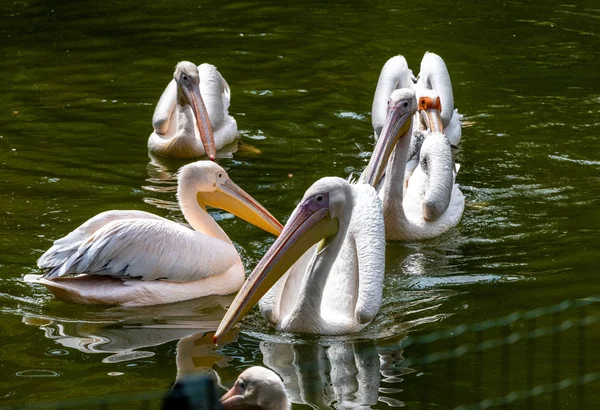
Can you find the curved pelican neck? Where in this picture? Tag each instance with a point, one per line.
(307, 312)
(196, 215)
(434, 75)
(214, 90)
(186, 125)
(393, 186)
(419, 211)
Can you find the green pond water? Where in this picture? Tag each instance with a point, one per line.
(79, 83)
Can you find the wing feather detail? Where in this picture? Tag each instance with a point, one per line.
(142, 248)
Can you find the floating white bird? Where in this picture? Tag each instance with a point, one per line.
(433, 76)
(431, 203)
(134, 258)
(191, 118)
(257, 388)
(331, 288)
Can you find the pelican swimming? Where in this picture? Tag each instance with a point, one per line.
(331, 288)
(257, 388)
(191, 118)
(433, 75)
(431, 203)
(134, 258)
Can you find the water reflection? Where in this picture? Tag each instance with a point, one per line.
(197, 352)
(342, 375)
(347, 372)
(123, 334)
(164, 169)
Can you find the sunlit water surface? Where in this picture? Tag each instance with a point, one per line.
(80, 81)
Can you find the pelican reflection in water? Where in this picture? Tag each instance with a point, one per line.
(347, 374)
(191, 323)
(191, 118)
(134, 258)
(324, 274)
(123, 334)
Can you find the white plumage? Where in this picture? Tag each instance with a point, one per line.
(330, 259)
(137, 258)
(344, 291)
(176, 132)
(258, 388)
(431, 203)
(426, 201)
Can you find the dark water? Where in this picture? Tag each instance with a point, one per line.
(80, 80)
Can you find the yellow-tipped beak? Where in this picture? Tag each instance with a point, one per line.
(310, 223)
(398, 124)
(192, 93)
(232, 198)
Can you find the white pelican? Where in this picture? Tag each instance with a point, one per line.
(135, 258)
(331, 288)
(431, 203)
(195, 92)
(257, 388)
(433, 75)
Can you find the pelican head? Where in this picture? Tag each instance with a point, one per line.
(316, 218)
(215, 188)
(398, 125)
(257, 388)
(187, 77)
(430, 108)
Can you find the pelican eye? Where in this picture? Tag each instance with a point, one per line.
(242, 384)
(185, 77)
(319, 198)
(405, 104)
(220, 175)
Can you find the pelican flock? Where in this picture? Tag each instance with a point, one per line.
(415, 176)
(191, 118)
(324, 273)
(134, 258)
